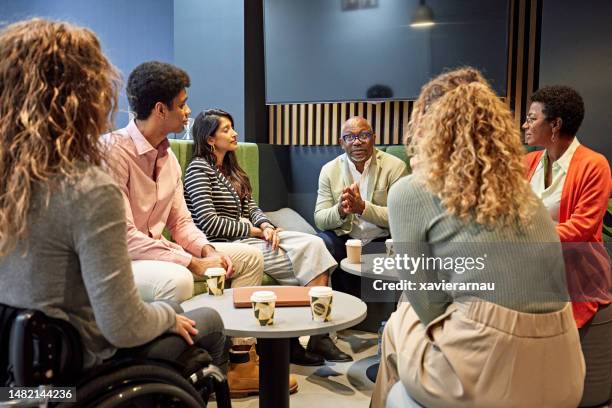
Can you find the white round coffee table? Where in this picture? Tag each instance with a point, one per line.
(273, 341)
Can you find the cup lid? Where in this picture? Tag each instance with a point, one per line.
(320, 291)
(214, 272)
(263, 296)
(353, 242)
(388, 241)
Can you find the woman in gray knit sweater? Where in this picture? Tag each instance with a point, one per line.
(62, 223)
(486, 322)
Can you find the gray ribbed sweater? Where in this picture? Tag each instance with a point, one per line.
(526, 267)
(74, 265)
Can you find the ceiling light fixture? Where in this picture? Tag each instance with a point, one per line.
(423, 16)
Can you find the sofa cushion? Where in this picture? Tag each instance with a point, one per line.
(247, 155)
(248, 158)
(289, 220)
(183, 150)
(400, 153)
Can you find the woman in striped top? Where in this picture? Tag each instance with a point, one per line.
(219, 195)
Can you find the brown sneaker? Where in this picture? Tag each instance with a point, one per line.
(243, 373)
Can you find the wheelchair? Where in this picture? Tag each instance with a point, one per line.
(39, 351)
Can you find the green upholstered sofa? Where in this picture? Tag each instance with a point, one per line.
(248, 157)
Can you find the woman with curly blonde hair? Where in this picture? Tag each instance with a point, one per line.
(54, 106)
(63, 244)
(487, 322)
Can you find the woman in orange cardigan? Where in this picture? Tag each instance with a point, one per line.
(574, 183)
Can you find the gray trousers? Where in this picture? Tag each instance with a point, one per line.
(596, 342)
(169, 346)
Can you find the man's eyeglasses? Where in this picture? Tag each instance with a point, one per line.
(362, 136)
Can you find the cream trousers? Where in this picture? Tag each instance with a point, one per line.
(160, 280)
(481, 355)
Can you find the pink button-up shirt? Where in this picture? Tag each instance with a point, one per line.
(150, 180)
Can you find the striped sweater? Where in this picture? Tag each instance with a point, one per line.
(215, 206)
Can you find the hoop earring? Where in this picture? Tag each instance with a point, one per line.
(553, 139)
(212, 148)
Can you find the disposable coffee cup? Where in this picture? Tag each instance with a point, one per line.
(353, 250)
(215, 280)
(389, 246)
(263, 302)
(321, 303)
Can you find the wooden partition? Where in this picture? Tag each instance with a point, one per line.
(316, 124)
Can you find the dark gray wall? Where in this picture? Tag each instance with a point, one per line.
(305, 167)
(576, 50)
(471, 32)
(289, 176)
(209, 45)
(317, 52)
(131, 32)
(274, 177)
(206, 38)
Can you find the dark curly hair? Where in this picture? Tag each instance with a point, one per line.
(152, 82)
(561, 102)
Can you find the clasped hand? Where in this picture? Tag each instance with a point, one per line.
(351, 201)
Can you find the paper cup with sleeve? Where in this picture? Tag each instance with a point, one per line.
(215, 280)
(353, 250)
(263, 302)
(321, 303)
(389, 247)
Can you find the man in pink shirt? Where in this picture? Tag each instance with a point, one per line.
(149, 176)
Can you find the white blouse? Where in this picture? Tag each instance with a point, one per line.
(551, 196)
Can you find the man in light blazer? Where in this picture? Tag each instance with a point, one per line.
(352, 195)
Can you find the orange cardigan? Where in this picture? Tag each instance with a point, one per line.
(584, 201)
(585, 195)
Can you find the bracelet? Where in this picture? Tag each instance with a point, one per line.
(269, 227)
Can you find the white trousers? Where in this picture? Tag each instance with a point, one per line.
(160, 280)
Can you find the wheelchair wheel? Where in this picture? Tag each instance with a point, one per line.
(148, 396)
(152, 383)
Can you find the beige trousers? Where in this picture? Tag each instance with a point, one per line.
(478, 354)
(248, 263)
(159, 280)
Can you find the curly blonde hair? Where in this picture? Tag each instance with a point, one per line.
(433, 90)
(58, 94)
(471, 158)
